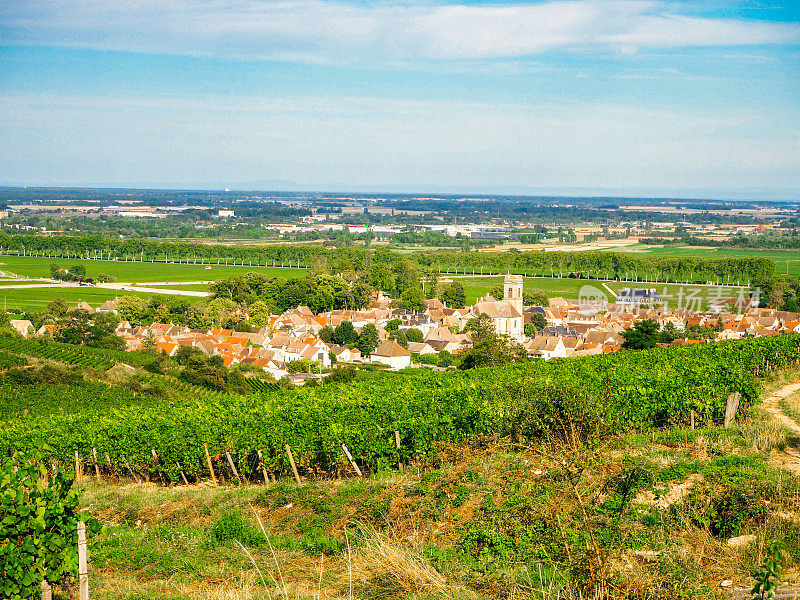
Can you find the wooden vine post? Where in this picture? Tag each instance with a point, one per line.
(134, 475)
(263, 467)
(183, 475)
(110, 466)
(397, 445)
(352, 462)
(210, 466)
(233, 466)
(157, 463)
(78, 468)
(83, 569)
(731, 406)
(291, 462)
(96, 468)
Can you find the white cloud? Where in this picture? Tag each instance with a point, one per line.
(340, 32)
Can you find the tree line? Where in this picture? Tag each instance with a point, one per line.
(582, 264)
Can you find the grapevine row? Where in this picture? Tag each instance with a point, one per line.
(616, 392)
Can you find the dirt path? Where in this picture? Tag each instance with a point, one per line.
(789, 457)
(771, 405)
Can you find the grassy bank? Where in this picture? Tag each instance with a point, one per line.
(635, 516)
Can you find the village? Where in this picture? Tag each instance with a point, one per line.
(565, 328)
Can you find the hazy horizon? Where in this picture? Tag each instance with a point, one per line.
(512, 191)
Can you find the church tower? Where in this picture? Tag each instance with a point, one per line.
(512, 291)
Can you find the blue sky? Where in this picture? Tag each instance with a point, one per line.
(585, 96)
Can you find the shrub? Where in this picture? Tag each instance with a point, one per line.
(231, 526)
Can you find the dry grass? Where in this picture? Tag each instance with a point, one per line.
(380, 557)
(762, 433)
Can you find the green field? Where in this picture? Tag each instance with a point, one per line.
(18, 282)
(475, 287)
(192, 287)
(138, 272)
(152, 273)
(35, 299)
(787, 262)
(675, 295)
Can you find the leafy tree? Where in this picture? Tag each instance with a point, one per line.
(368, 340)
(413, 299)
(303, 365)
(491, 350)
(326, 334)
(414, 335)
(643, 335)
(196, 316)
(131, 309)
(392, 325)
(381, 278)
(453, 295)
(496, 291)
(58, 307)
(259, 313)
(78, 271)
(360, 295)
(189, 355)
(697, 332)
(535, 298)
(668, 333)
(344, 334)
(406, 277)
(432, 279)
(149, 341)
(91, 330)
(538, 322)
(206, 375)
(220, 310)
(481, 327)
(341, 375)
(399, 337)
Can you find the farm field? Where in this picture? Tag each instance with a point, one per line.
(136, 272)
(35, 299)
(191, 287)
(786, 261)
(4, 282)
(153, 274)
(475, 287)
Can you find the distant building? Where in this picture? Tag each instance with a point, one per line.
(225, 214)
(638, 296)
(493, 234)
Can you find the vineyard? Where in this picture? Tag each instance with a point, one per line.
(68, 353)
(600, 394)
(100, 359)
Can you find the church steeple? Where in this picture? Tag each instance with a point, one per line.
(512, 291)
